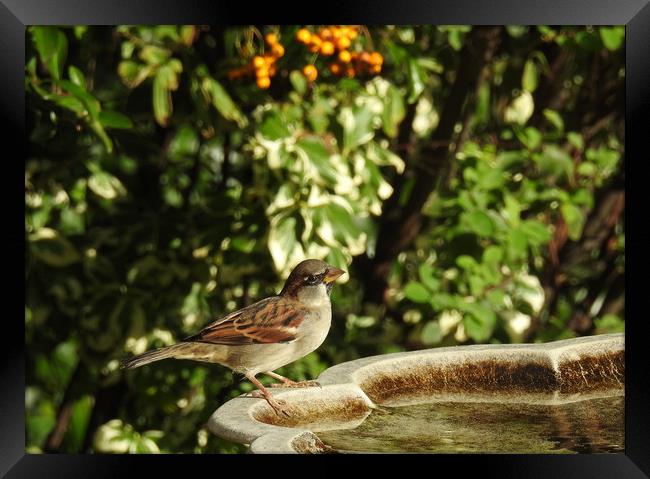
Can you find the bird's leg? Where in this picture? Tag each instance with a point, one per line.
(262, 392)
(288, 383)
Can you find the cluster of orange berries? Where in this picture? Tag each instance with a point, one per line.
(263, 66)
(328, 40)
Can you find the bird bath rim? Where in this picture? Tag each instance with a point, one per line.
(549, 373)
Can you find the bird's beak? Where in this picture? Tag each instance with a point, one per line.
(332, 274)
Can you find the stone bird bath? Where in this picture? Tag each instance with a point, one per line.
(560, 397)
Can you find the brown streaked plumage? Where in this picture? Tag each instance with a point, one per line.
(265, 335)
(271, 320)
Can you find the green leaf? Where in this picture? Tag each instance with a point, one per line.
(52, 248)
(455, 35)
(612, 37)
(162, 100)
(114, 119)
(154, 55)
(416, 79)
(222, 101)
(466, 262)
(394, 111)
(512, 210)
(431, 333)
(71, 222)
(610, 323)
(605, 158)
(76, 76)
(52, 46)
(133, 73)
(554, 118)
(345, 229)
(298, 81)
(188, 34)
(274, 127)
(529, 76)
(576, 140)
(517, 244)
(493, 255)
(536, 231)
(91, 103)
(478, 222)
(78, 425)
(589, 41)
(319, 156)
(105, 185)
(554, 161)
(416, 292)
(97, 127)
(425, 271)
(583, 197)
(574, 218)
(480, 321)
(521, 108)
(184, 143)
(282, 240)
(530, 136)
(357, 126)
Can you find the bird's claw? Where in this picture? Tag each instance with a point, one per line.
(278, 405)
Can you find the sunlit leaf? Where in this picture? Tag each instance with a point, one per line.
(106, 185)
(222, 101)
(575, 220)
(394, 111)
(529, 76)
(52, 46)
(416, 292)
(612, 37)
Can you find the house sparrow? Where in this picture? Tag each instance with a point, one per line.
(266, 335)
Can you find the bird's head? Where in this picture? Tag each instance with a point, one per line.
(311, 281)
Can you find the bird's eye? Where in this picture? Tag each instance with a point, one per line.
(311, 279)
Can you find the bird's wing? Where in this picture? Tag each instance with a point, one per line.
(271, 320)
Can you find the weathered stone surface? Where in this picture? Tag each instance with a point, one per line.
(551, 373)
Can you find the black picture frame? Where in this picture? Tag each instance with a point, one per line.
(15, 15)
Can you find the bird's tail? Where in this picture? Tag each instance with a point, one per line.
(153, 355)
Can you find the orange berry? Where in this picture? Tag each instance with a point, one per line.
(376, 69)
(273, 70)
(315, 43)
(278, 50)
(343, 43)
(310, 72)
(352, 32)
(326, 33)
(271, 38)
(335, 68)
(364, 57)
(263, 82)
(258, 62)
(337, 33)
(262, 72)
(376, 58)
(327, 48)
(345, 56)
(303, 35)
(350, 72)
(269, 59)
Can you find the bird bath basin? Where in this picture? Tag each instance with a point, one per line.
(560, 397)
